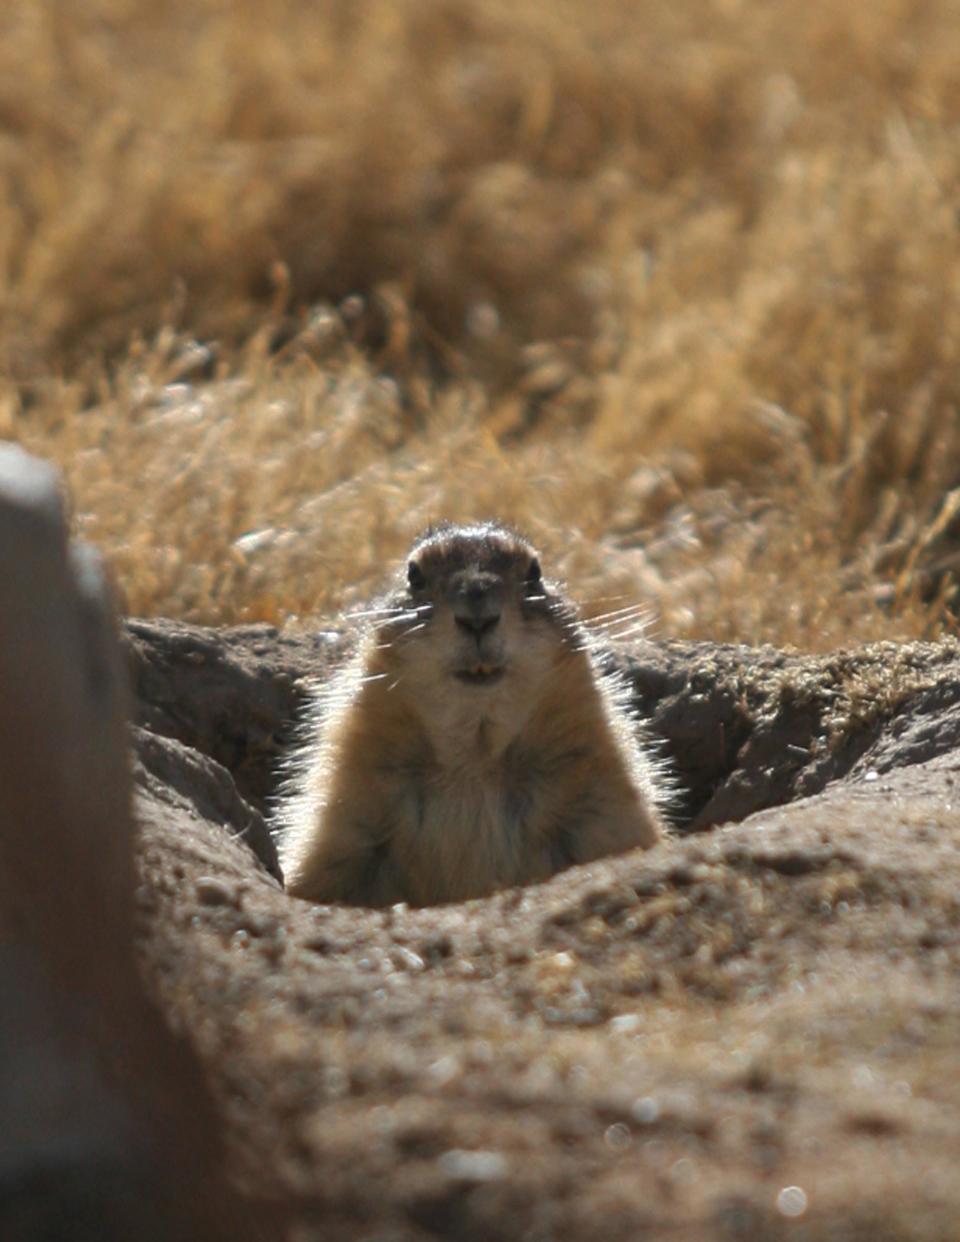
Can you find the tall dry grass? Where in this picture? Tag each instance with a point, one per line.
(675, 287)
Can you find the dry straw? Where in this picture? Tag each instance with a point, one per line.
(674, 287)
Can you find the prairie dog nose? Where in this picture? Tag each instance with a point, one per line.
(476, 602)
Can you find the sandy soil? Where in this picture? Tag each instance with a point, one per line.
(749, 1032)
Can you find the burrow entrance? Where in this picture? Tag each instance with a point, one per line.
(742, 729)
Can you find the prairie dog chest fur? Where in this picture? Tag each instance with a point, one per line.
(471, 744)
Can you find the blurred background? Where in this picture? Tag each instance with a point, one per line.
(674, 287)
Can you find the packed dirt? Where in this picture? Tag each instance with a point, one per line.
(748, 1032)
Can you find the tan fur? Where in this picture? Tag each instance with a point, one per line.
(420, 785)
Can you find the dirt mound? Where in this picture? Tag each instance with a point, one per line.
(748, 1032)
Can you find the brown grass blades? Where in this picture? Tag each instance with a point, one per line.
(673, 287)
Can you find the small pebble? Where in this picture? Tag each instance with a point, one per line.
(618, 1137)
(473, 1166)
(792, 1201)
(406, 959)
(646, 1110)
(683, 1170)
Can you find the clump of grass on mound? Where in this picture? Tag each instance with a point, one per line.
(673, 287)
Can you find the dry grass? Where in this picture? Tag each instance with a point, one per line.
(675, 287)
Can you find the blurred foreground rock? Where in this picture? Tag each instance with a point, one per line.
(107, 1130)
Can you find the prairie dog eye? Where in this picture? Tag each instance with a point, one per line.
(415, 576)
(533, 572)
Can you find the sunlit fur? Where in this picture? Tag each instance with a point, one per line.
(417, 785)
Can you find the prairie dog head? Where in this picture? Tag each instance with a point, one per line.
(476, 625)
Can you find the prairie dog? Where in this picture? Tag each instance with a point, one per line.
(471, 744)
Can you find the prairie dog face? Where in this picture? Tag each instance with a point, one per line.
(477, 626)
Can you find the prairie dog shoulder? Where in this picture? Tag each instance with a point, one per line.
(470, 745)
